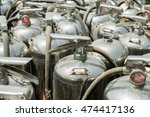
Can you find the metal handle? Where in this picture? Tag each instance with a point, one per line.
(14, 60)
(30, 10)
(69, 37)
(35, 4)
(137, 60)
(136, 18)
(23, 75)
(117, 9)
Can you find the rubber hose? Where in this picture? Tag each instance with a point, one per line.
(14, 5)
(84, 27)
(89, 48)
(11, 19)
(81, 8)
(104, 75)
(14, 13)
(87, 13)
(102, 52)
(79, 2)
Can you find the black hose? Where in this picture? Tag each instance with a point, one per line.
(8, 12)
(137, 3)
(12, 19)
(14, 13)
(48, 1)
(84, 26)
(79, 2)
(81, 8)
(12, 8)
(104, 75)
(16, 3)
(87, 13)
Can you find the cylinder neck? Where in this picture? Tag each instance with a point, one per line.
(108, 39)
(129, 3)
(138, 30)
(97, 7)
(80, 54)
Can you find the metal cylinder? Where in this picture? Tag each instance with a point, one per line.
(38, 50)
(114, 48)
(14, 87)
(72, 77)
(4, 6)
(122, 89)
(24, 33)
(136, 44)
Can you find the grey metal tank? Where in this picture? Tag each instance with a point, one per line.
(110, 27)
(38, 50)
(95, 19)
(15, 86)
(66, 24)
(17, 48)
(37, 21)
(96, 22)
(34, 14)
(38, 45)
(63, 25)
(136, 44)
(26, 31)
(4, 6)
(113, 48)
(69, 27)
(74, 73)
(122, 89)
